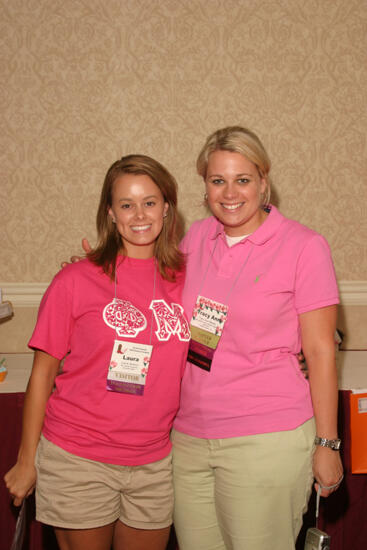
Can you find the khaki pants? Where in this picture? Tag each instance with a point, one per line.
(242, 493)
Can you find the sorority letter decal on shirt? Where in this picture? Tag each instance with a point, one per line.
(170, 320)
(129, 363)
(124, 318)
(129, 321)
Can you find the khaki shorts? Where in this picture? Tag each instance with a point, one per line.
(77, 493)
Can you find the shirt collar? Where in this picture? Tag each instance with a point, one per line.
(262, 233)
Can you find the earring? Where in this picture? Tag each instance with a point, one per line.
(205, 197)
(113, 220)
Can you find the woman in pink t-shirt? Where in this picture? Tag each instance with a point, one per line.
(102, 469)
(258, 288)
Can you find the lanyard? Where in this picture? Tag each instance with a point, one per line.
(154, 287)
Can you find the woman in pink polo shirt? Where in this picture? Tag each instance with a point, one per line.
(103, 463)
(252, 433)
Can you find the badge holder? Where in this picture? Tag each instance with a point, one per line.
(315, 538)
(206, 327)
(207, 322)
(129, 363)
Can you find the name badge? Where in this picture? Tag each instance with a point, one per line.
(128, 368)
(206, 328)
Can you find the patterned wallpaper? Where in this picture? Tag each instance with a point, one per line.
(86, 81)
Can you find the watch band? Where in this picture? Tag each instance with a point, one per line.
(333, 444)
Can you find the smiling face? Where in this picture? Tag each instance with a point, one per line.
(234, 188)
(138, 209)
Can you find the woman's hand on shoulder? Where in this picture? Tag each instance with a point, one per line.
(20, 481)
(327, 469)
(86, 247)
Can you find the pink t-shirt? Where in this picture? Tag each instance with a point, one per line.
(255, 384)
(75, 321)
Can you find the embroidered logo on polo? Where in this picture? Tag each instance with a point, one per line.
(129, 321)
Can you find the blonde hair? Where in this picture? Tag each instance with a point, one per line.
(166, 250)
(237, 139)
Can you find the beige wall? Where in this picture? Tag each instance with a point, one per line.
(86, 82)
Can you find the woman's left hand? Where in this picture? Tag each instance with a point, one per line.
(327, 469)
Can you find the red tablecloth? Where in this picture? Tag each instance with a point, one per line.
(37, 537)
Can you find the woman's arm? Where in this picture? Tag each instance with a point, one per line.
(86, 247)
(317, 331)
(21, 479)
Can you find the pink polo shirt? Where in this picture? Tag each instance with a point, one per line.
(255, 384)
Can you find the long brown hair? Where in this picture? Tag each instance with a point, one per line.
(166, 250)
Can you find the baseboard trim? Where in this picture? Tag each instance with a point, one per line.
(23, 294)
(353, 293)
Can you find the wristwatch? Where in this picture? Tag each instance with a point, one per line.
(333, 444)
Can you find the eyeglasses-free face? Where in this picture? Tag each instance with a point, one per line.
(234, 190)
(138, 209)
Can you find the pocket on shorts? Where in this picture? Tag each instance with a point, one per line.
(167, 461)
(42, 453)
(162, 467)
